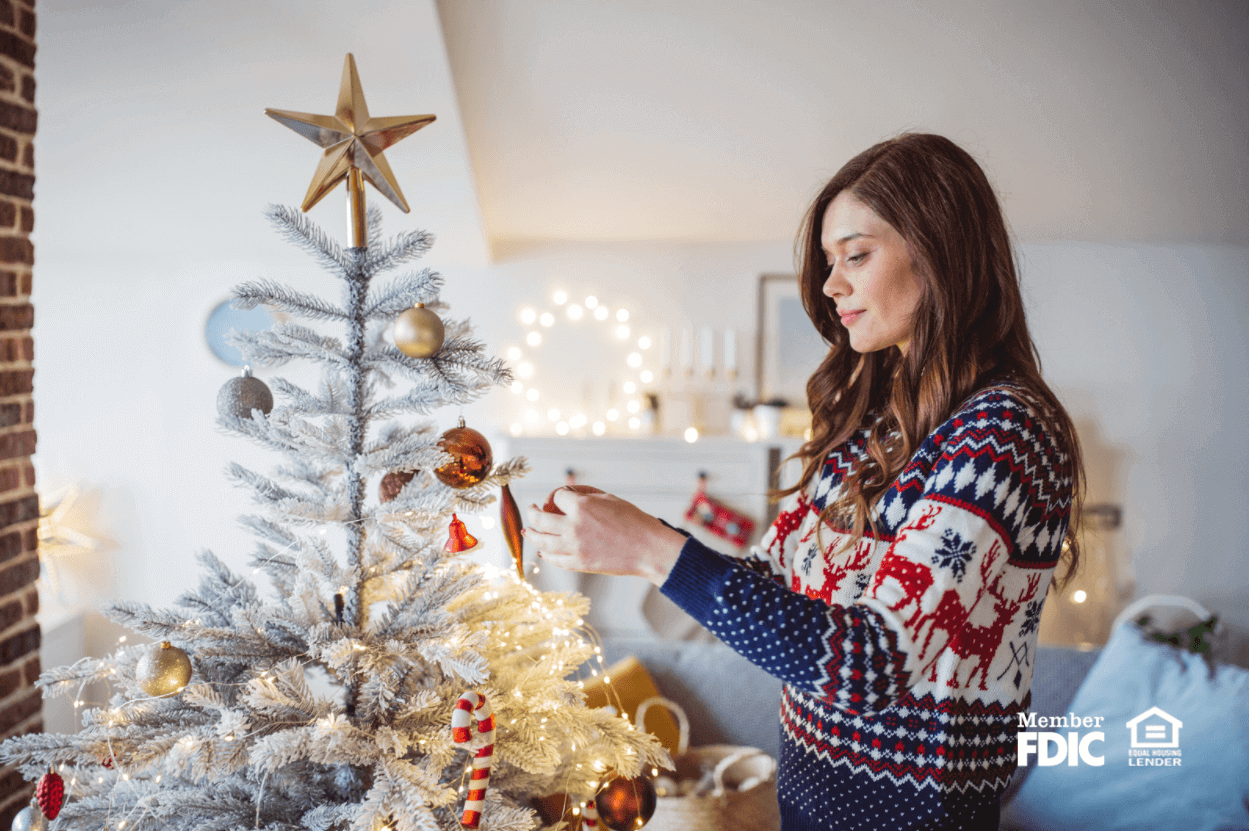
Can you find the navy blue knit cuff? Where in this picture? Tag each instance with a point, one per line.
(694, 582)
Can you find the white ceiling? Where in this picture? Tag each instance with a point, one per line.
(719, 119)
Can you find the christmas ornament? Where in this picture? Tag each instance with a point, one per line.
(352, 140)
(106, 762)
(418, 332)
(509, 514)
(472, 457)
(625, 804)
(589, 816)
(470, 705)
(50, 794)
(30, 818)
(551, 508)
(392, 483)
(163, 670)
(239, 396)
(458, 537)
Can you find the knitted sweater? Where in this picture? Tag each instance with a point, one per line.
(906, 658)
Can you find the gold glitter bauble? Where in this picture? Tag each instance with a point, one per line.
(473, 457)
(419, 332)
(163, 670)
(239, 396)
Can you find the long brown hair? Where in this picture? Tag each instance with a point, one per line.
(968, 330)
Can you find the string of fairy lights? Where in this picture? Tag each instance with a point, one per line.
(624, 414)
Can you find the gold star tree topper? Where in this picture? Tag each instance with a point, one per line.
(353, 141)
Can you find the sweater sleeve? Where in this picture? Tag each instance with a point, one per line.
(992, 494)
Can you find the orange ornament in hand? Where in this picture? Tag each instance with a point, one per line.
(550, 506)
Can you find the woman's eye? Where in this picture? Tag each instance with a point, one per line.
(856, 258)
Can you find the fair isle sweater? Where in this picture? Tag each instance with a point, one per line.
(906, 658)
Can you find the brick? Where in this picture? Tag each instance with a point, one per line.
(10, 680)
(28, 214)
(26, 22)
(18, 646)
(18, 799)
(31, 540)
(11, 513)
(8, 283)
(15, 249)
(8, 150)
(16, 382)
(28, 156)
(8, 80)
(15, 577)
(33, 667)
(23, 289)
(8, 211)
(14, 446)
(28, 88)
(32, 602)
(11, 613)
(10, 545)
(18, 48)
(30, 419)
(16, 317)
(10, 414)
(12, 183)
(10, 480)
(26, 707)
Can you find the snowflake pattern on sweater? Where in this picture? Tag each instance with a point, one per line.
(907, 656)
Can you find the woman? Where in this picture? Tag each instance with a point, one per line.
(899, 591)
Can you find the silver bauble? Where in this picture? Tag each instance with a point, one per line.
(163, 670)
(239, 396)
(418, 332)
(30, 818)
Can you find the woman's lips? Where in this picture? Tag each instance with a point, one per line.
(849, 317)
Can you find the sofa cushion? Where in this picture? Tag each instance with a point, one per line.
(1136, 683)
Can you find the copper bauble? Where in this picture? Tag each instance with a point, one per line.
(472, 457)
(418, 332)
(625, 804)
(163, 670)
(392, 483)
(239, 396)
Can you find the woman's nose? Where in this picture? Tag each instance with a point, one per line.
(835, 286)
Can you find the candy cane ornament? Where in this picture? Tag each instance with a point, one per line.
(589, 816)
(470, 705)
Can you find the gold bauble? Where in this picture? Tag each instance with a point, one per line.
(472, 457)
(163, 670)
(419, 332)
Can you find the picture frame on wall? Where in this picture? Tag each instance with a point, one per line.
(787, 348)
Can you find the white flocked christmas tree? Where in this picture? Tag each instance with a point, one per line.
(323, 683)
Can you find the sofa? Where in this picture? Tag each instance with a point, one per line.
(729, 700)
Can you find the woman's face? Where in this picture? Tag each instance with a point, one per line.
(870, 275)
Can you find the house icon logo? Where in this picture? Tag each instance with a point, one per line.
(1155, 728)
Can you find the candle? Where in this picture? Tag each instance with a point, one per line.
(730, 354)
(707, 351)
(665, 352)
(687, 350)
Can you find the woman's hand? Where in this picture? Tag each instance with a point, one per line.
(600, 533)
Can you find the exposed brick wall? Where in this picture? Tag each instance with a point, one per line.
(20, 702)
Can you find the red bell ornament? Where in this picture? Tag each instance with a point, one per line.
(458, 538)
(471, 455)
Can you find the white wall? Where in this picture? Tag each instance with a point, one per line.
(154, 162)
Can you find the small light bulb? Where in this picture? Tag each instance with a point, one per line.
(553, 414)
(601, 313)
(622, 332)
(635, 423)
(691, 434)
(644, 342)
(560, 298)
(577, 421)
(528, 316)
(525, 369)
(514, 353)
(533, 338)
(647, 376)
(599, 428)
(531, 416)
(532, 395)
(518, 387)
(613, 414)
(633, 406)
(1079, 596)
(547, 319)
(635, 359)
(562, 428)
(487, 522)
(575, 311)
(622, 315)
(516, 429)
(629, 387)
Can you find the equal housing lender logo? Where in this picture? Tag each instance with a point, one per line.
(1154, 738)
